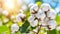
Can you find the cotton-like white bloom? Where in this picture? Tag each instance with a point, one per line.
(5, 20)
(58, 28)
(5, 12)
(45, 7)
(34, 23)
(40, 15)
(46, 20)
(52, 24)
(34, 9)
(14, 27)
(20, 16)
(31, 18)
(51, 14)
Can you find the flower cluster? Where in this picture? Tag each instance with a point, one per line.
(20, 16)
(44, 15)
(16, 19)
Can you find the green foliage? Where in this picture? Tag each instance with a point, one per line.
(52, 31)
(3, 28)
(57, 19)
(24, 27)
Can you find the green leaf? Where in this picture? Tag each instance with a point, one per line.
(52, 31)
(24, 27)
(3, 28)
(57, 19)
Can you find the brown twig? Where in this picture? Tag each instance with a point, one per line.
(39, 28)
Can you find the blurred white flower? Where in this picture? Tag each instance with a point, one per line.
(34, 23)
(5, 20)
(58, 28)
(51, 14)
(52, 24)
(34, 9)
(14, 27)
(20, 16)
(40, 14)
(5, 12)
(46, 20)
(45, 7)
(31, 18)
(43, 23)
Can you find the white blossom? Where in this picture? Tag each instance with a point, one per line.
(46, 19)
(5, 12)
(34, 23)
(14, 27)
(40, 14)
(34, 9)
(51, 14)
(31, 18)
(20, 16)
(45, 7)
(52, 24)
